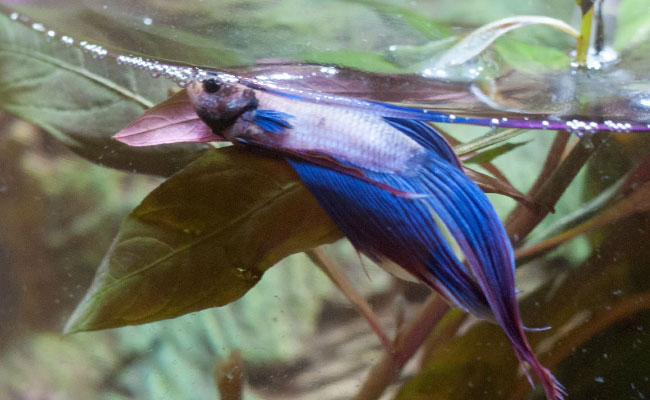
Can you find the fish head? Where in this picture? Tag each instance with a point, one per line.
(219, 103)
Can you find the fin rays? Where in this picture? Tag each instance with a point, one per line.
(403, 230)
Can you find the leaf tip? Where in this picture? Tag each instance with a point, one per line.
(78, 321)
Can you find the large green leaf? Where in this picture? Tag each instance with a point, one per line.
(82, 101)
(203, 239)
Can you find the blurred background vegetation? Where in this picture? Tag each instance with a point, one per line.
(298, 336)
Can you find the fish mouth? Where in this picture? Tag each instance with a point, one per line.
(194, 88)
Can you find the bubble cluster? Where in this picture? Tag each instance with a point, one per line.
(329, 70)
(95, 50)
(179, 74)
(67, 40)
(618, 126)
(579, 128)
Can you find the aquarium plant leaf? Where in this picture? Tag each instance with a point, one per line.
(82, 101)
(477, 41)
(203, 239)
(635, 203)
(532, 58)
(487, 156)
(626, 197)
(490, 184)
(172, 121)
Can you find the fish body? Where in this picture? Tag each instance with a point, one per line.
(350, 135)
(383, 178)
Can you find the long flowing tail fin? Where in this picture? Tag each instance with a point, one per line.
(404, 230)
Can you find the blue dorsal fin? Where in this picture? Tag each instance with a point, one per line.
(426, 136)
(273, 121)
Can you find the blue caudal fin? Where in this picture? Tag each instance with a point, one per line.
(403, 230)
(273, 121)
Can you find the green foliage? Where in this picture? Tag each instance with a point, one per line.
(207, 235)
(634, 23)
(531, 58)
(203, 239)
(82, 101)
(489, 155)
(366, 61)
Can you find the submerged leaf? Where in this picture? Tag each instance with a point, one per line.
(174, 120)
(203, 239)
(492, 137)
(635, 203)
(490, 184)
(82, 101)
(487, 156)
(530, 58)
(481, 38)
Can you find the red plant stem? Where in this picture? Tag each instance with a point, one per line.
(523, 220)
(567, 344)
(329, 267)
(638, 201)
(408, 341)
(229, 375)
(555, 155)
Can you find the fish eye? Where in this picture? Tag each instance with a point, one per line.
(211, 85)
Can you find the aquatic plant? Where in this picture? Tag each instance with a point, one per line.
(192, 245)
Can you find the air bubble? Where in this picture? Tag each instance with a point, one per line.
(182, 75)
(67, 40)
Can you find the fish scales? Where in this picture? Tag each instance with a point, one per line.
(352, 135)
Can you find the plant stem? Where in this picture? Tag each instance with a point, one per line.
(553, 159)
(329, 267)
(229, 375)
(523, 220)
(408, 341)
(567, 343)
(582, 47)
(638, 201)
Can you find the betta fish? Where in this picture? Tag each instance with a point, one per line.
(387, 179)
